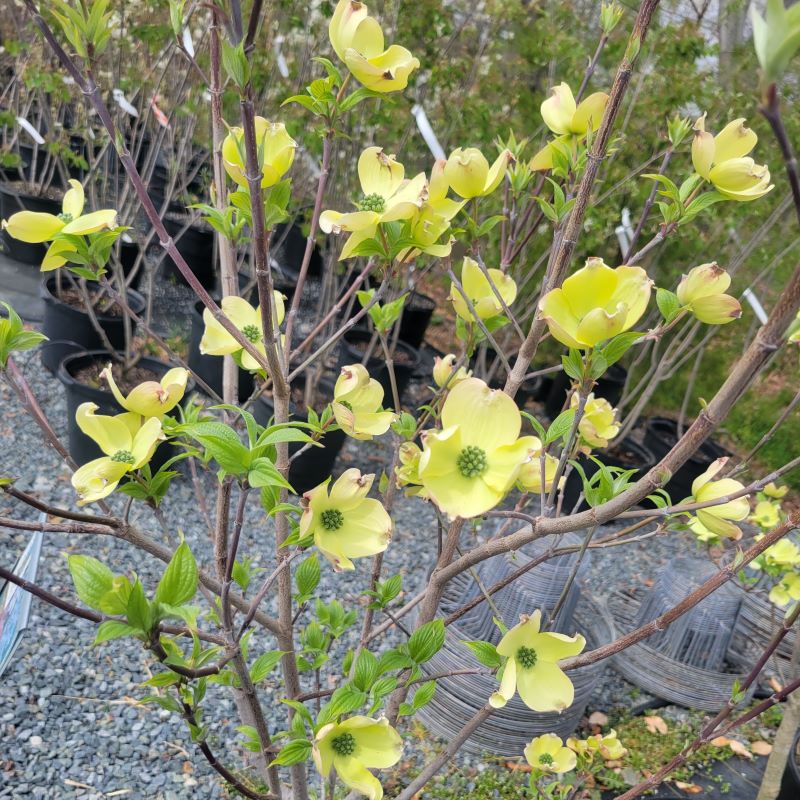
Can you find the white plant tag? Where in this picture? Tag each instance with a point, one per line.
(424, 126)
(758, 309)
(188, 44)
(283, 67)
(34, 134)
(119, 99)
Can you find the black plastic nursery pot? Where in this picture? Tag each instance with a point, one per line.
(660, 436)
(195, 244)
(69, 328)
(417, 313)
(12, 201)
(406, 361)
(315, 464)
(790, 785)
(128, 256)
(288, 247)
(626, 454)
(70, 372)
(609, 387)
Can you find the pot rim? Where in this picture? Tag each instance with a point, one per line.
(48, 296)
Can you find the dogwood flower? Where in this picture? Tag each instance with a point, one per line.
(37, 226)
(469, 466)
(407, 471)
(595, 304)
(386, 197)
(784, 553)
(608, 746)
(532, 667)
(548, 754)
(530, 478)
(469, 174)
(773, 490)
(357, 39)
(355, 746)
(275, 152)
(151, 398)
(127, 443)
(358, 404)
(717, 519)
(345, 523)
(216, 341)
(445, 372)
(722, 160)
(480, 293)
(787, 590)
(568, 120)
(703, 292)
(766, 515)
(599, 423)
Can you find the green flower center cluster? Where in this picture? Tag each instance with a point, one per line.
(471, 462)
(546, 758)
(123, 456)
(372, 202)
(332, 519)
(527, 657)
(344, 744)
(252, 333)
(65, 217)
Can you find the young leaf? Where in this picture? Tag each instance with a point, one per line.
(179, 582)
(92, 579)
(426, 641)
(485, 652)
(297, 751)
(264, 664)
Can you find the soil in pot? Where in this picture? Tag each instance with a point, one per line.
(67, 325)
(609, 386)
(660, 436)
(355, 345)
(80, 375)
(14, 198)
(417, 313)
(195, 244)
(627, 454)
(315, 464)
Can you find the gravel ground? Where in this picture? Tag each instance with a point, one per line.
(70, 725)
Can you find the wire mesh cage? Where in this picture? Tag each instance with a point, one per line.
(700, 637)
(459, 697)
(687, 662)
(758, 621)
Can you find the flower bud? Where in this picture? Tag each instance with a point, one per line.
(443, 370)
(469, 174)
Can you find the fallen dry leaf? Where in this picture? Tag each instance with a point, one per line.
(518, 766)
(655, 724)
(775, 684)
(738, 748)
(689, 788)
(761, 748)
(598, 718)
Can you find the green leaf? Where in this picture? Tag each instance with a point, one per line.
(668, 304)
(620, 345)
(222, 444)
(486, 653)
(14, 337)
(706, 200)
(344, 700)
(423, 695)
(138, 610)
(92, 579)
(426, 641)
(179, 581)
(297, 751)
(263, 472)
(307, 576)
(264, 664)
(573, 364)
(366, 670)
(560, 426)
(113, 629)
